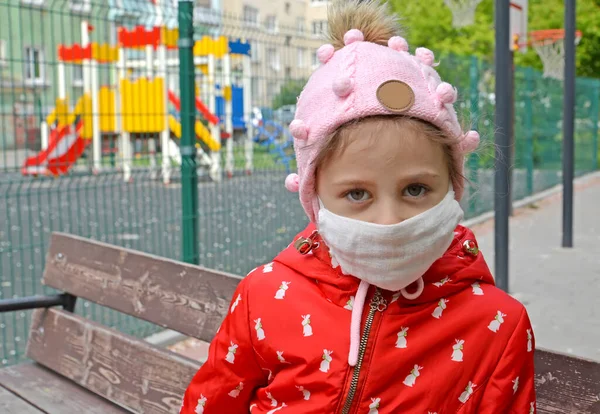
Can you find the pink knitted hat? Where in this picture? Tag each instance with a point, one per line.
(364, 79)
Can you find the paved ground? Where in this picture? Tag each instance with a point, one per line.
(559, 287)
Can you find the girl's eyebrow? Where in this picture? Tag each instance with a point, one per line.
(352, 182)
(414, 177)
(421, 175)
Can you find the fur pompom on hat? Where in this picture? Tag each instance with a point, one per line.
(367, 70)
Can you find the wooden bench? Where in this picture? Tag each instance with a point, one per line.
(79, 366)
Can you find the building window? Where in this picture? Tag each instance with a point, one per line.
(288, 7)
(273, 58)
(300, 25)
(34, 64)
(77, 75)
(272, 89)
(315, 60)
(301, 57)
(251, 15)
(80, 6)
(319, 27)
(255, 88)
(255, 52)
(271, 23)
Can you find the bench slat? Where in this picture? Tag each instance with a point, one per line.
(185, 298)
(12, 404)
(52, 393)
(125, 370)
(565, 384)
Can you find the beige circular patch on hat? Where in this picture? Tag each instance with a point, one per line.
(396, 96)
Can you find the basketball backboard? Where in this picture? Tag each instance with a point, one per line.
(518, 25)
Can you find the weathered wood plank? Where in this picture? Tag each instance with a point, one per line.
(12, 404)
(188, 299)
(53, 393)
(127, 371)
(565, 384)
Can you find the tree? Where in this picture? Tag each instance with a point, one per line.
(429, 24)
(288, 93)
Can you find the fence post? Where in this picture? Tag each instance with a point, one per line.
(473, 162)
(528, 128)
(189, 174)
(595, 108)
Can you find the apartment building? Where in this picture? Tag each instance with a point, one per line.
(30, 32)
(285, 35)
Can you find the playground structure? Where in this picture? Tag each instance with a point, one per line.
(139, 107)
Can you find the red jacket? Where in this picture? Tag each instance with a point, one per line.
(463, 346)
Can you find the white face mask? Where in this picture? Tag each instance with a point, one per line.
(391, 256)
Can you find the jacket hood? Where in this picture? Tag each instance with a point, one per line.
(461, 267)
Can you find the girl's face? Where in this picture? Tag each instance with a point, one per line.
(384, 179)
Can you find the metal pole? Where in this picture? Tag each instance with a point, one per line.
(569, 124)
(511, 131)
(473, 162)
(189, 174)
(34, 302)
(594, 110)
(503, 118)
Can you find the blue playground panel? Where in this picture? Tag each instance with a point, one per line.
(237, 98)
(268, 136)
(237, 47)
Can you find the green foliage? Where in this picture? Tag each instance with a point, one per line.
(429, 24)
(288, 93)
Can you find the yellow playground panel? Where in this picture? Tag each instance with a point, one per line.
(218, 47)
(108, 118)
(143, 105)
(63, 116)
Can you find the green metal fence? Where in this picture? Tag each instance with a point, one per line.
(120, 196)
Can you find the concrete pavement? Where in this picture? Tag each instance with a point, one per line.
(559, 287)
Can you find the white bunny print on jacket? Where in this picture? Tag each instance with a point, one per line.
(494, 325)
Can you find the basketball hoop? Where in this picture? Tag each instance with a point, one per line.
(550, 46)
(463, 11)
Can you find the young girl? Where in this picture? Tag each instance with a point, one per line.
(384, 304)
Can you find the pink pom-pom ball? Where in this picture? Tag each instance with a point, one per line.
(399, 44)
(470, 142)
(299, 130)
(446, 93)
(353, 35)
(292, 183)
(425, 55)
(342, 86)
(325, 52)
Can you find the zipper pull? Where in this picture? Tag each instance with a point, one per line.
(305, 244)
(378, 303)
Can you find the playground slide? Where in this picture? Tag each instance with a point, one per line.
(210, 117)
(65, 146)
(201, 132)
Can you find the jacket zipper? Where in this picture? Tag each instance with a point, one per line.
(378, 303)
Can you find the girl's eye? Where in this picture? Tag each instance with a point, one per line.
(358, 195)
(415, 190)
